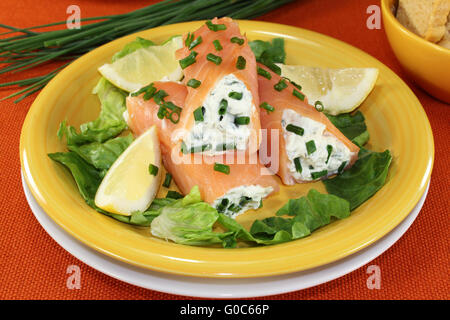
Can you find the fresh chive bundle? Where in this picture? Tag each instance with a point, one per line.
(237, 40)
(194, 83)
(264, 73)
(235, 95)
(221, 168)
(187, 61)
(295, 129)
(267, 107)
(25, 48)
(240, 63)
(281, 85)
(153, 170)
(213, 58)
(217, 45)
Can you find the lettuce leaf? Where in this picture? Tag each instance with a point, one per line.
(309, 213)
(269, 51)
(110, 122)
(102, 155)
(353, 126)
(188, 221)
(363, 179)
(136, 44)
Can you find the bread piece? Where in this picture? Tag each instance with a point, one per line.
(426, 18)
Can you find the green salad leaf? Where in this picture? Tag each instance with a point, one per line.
(363, 179)
(308, 213)
(188, 221)
(136, 44)
(110, 122)
(102, 154)
(269, 51)
(353, 126)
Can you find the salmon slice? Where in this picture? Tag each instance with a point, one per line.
(289, 106)
(211, 74)
(189, 170)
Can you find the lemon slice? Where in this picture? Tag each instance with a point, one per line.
(145, 65)
(340, 90)
(128, 185)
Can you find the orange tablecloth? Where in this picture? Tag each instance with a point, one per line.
(33, 265)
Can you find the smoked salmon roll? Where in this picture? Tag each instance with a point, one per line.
(306, 146)
(231, 186)
(221, 108)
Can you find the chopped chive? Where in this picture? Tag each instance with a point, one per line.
(222, 168)
(190, 59)
(223, 205)
(267, 107)
(225, 146)
(298, 94)
(237, 40)
(241, 120)
(234, 208)
(272, 66)
(266, 74)
(217, 45)
(310, 146)
(319, 174)
(149, 93)
(281, 85)
(319, 106)
(159, 96)
(240, 63)
(341, 167)
(153, 169)
(329, 150)
(143, 89)
(298, 165)
(215, 27)
(235, 95)
(223, 107)
(195, 149)
(244, 200)
(213, 58)
(310, 167)
(295, 129)
(174, 195)
(299, 87)
(260, 204)
(198, 114)
(195, 43)
(161, 112)
(189, 38)
(167, 180)
(172, 107)
(194, 83)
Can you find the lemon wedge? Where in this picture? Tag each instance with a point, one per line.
(145, 65)
(340, 90)
(132, 183)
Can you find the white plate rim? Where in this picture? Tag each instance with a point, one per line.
(217, 287)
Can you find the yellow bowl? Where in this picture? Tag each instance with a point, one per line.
(427, 63)
(395, 120)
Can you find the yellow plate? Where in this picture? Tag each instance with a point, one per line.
(395, 120)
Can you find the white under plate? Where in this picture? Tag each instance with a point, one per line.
(216, 287)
